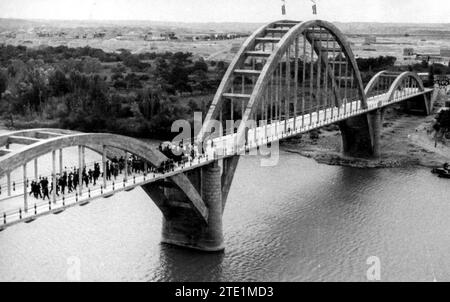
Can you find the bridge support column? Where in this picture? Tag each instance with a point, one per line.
(181, 228)
(80, 169)
(61, 161)
(25, 193)
(36, 171)
(376, 124)
(361, 135)
(125, 173)
(419, 105)
(8, 183)
(104, 165)
(54, 182)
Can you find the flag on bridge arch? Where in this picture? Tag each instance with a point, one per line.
(283, 7)
(314, 7)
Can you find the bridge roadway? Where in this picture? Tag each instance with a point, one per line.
(11, 208)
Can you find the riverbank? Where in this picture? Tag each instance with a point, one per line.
(406, 141)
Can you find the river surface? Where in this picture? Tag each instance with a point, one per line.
(296, 221)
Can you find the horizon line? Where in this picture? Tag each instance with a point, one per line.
(203, 22)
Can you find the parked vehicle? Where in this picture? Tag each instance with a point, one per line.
(443, 172)
(439, 171)
(445, 175)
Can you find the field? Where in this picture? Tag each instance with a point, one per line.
(210, 50)
(394, 45)
(391, 38)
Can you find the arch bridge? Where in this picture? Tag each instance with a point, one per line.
(287, 79)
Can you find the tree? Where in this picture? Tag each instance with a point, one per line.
(91, 65)
(221, 65)
(58, 83)
(162, 72)
(133, 62)
(3, 81)
(431, 76)
(179, 77)
(376, 64)
(200, 65)
(98, 100)
(133, 81)
(193, 106)
(221, 69)
(149, 102)
(443, 121)
(12, 106)
(199, 81)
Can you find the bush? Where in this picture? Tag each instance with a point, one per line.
(376, 64)
(443, 121)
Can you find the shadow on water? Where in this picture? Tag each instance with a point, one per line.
(179, 265)
(349, 177)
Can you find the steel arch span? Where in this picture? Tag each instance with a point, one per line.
(287, 69)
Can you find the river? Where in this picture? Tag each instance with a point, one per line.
(296, 221)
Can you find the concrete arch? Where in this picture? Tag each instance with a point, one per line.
(16, 159)
(373, 82)
(287, 40)
(35, 133)
(276, 56)
(227, 79)
(398, 81)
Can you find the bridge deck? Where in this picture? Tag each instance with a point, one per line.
(225, 146)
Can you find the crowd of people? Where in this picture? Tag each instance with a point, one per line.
(68, 181)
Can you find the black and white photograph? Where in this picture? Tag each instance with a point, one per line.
(212, 141)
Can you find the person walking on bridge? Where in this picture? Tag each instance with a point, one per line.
(96, 174)
(56, 189)
(70, 183)
(45, 191)
(75, 180)
(35, 189)
(108, 171)
(62, 184)
(90, 175)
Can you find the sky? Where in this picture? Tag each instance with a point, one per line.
(403, 11)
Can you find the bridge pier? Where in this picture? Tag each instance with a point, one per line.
(361, 135)
(376, 125)
(420, 105)
(356, 137)
(182, 226)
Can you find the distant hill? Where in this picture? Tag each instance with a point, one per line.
(363, 28)
(19, 24)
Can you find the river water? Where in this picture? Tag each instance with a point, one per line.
(296, 221)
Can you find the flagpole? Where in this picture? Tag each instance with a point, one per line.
(283, 7)
(314, 8)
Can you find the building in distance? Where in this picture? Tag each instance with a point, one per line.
(370, 40)
(433, 58)
(408, 52)
(168, 35)
(445, 52)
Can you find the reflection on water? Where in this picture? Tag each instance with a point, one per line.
(298, 221)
